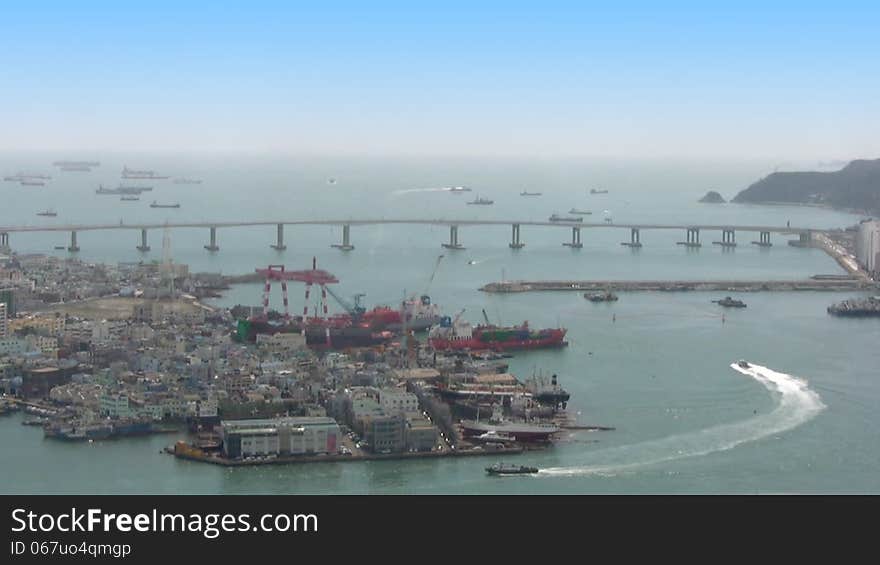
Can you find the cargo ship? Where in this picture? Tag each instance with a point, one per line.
(143, 174)
(121, 189)
(480, 201)
(417, 314)
(558, 218)
(87, 164)
(459, 334)
(547, 393)
(580, 212)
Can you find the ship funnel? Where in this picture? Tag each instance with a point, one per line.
(553, 380)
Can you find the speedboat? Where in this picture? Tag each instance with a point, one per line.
(743, 364)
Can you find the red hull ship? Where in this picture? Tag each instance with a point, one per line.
(459, 335)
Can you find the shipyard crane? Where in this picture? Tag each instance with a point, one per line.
(356, 310)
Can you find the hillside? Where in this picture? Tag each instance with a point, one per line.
(856, 187)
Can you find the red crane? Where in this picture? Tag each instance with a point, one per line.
(309, 277)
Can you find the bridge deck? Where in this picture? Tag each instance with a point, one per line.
(369, 222)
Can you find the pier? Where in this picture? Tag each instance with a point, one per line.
(692, 232)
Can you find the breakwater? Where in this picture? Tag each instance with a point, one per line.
(835, 285)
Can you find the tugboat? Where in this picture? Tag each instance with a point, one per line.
(729, 302)
(606, 296)
(499, 469)
(482, 201)
(558, 218)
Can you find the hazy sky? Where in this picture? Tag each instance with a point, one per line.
(646, 79)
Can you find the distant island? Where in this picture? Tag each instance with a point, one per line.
(854, 187)
(713, 197)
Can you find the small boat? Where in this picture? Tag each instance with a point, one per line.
(729, 302)
(501, 469)
(331, 180)
(458, 189)
(580, 212)
(606, 296)
(525, 193)
(595, 191)
(187, 181)
(742, 363)
(482, 201)
(32, 183)
(558, 218)
(157, 205)
(60, 247)
(130, 198)
(47, 213)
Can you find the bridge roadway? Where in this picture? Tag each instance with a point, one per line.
(692, 230)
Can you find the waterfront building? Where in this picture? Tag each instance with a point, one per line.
(115, 406)
(4, 328)
(385, 433)
(867, 247)
(279, 436)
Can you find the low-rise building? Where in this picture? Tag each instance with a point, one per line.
(279, 436)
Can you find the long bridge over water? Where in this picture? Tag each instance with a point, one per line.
(691, 231)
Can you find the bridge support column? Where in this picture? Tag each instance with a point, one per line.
(453, 239)
(692, 238)
(763, 239)
(346, 239)
(634, 239)
(213, 245)
(143, 246)
(279, 242)
(515, 243)
(728, 238)
(4, 240)
(73, 247)
(575, 238)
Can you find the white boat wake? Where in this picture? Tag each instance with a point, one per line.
(796, 404)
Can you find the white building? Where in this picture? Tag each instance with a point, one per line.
(280, 436)
(868, 247)
(393, 401)
(115, 406)
(3, 323)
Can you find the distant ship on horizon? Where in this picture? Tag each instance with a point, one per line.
(526, 193)
(48, 213)
(481, 201)
(157, 205)
(140, 174)
(185, 180)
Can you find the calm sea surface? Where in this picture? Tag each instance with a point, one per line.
(655, 366)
